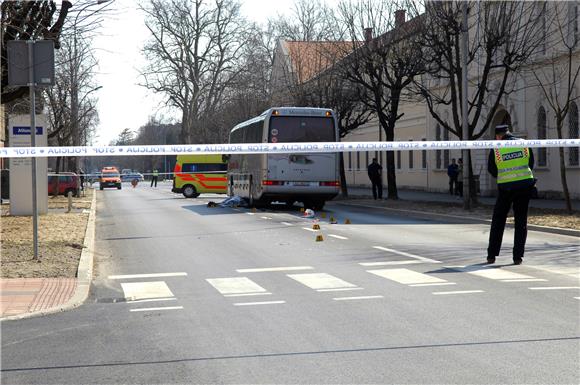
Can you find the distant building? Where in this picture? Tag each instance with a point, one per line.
(526, 109)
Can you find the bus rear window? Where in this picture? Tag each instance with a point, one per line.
(204, 167)
(284, 129)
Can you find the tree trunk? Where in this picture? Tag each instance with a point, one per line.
(343, 186)
(391, 176)
(564, 181)
(559, 124)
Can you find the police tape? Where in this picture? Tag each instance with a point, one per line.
(276, 148)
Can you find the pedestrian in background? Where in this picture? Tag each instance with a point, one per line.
(452, 174)
(459, 188)
(82, 179)
(515, 181)
(154, 177)
(375, 171)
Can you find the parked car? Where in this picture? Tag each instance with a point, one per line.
(132, 176)
(64, 182)
(110, 177)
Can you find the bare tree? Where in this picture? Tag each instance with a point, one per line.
(503, 36)
(193, 57)
(24, 20)
(311, 20)
(71, 101)
(557, 76)
(383, 67)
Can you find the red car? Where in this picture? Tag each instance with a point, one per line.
(66, 181)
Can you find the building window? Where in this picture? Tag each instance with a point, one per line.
(542, 151)
(399, 160)
(410, 156)
(424, 157)
(367, 158)
(358, 160)
(573, 156)
(349, 161)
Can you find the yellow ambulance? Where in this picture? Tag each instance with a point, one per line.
(198, 174)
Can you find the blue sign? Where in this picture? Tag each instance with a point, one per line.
(25, 130)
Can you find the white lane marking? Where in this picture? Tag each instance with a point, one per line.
(250, 213)
(286, 223)
(572, 271)
(343, 289)
(309, 229)
(159, 275)
(555, 288)
(433, 284)
(457, 292)
(525, 280)
(145, 290)
(235, 285)
(337, 236)
(246, 294)
(265, 217)
(258, 303)
(267, 269)
(406, 254)
(319, 281)
(406, 276)
(492, 272)
(153, 300)
(389, 263)
(576, 297)
(158, 308)
(355, 298)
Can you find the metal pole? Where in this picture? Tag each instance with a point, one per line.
(33, 144)
(465, 113)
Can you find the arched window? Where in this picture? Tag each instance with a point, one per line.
(542, 134)
(573, 159)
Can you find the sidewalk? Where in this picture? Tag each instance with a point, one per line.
(29, 297)
(424, 196)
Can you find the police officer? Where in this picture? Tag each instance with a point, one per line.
(375, 171)
(513, 169)
(154, 178)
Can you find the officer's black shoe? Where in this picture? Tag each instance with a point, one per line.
(490, 260)
(517, 261)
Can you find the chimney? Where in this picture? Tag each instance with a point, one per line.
(399, 18)
(368, 34)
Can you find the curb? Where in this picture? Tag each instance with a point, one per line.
(447, 217)
(84, 272)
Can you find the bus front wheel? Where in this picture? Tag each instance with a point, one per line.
(190, 192)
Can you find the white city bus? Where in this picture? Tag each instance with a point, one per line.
(311, 179)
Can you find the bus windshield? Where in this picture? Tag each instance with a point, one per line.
(284, 129)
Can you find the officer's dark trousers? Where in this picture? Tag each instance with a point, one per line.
(154, 180)
(519, 199)
(377, 183)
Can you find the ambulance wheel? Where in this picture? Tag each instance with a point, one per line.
(190, 192)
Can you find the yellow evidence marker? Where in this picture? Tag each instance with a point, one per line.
(319, 238)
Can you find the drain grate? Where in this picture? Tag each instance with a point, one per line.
(111, 300)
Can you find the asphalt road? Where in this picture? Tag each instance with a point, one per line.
(184, 293)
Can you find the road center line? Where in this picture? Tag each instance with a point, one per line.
(342, 289)
(337, 236)
(525, 280)
(388, 263)
(157, 275)
(406, 254)
(555, 288)
(258, 303)
(286, 223)
(268, 269)
(355, 298)
(246, 294)
(457, 292)
(158, 308)
(433, 284)
(309, 229)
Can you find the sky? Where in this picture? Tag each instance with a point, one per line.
(122, 103)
